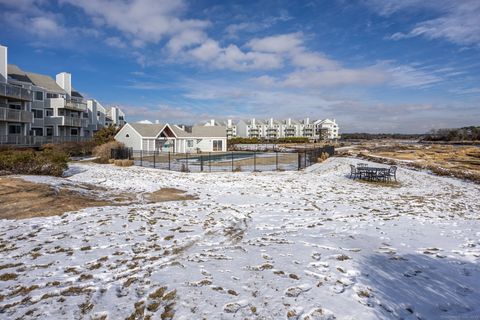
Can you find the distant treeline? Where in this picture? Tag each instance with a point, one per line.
(374, 136)
(460, 134)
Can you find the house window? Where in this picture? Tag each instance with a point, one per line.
(127, 136)
(52, 95)
(48, 112)
(217, 145)
(38, 132)
(49, 132)
(14, 129)
(15, 106)
(190, 143)
(74, 132)
(39, 95)
(37, 114)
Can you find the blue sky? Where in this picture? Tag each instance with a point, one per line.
(374, 65)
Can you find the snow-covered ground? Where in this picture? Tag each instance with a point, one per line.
(275, 245)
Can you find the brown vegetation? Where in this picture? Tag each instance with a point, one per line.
(103, 152)
(22, 199)
(46, 162)
(458, 161)
(168, 194)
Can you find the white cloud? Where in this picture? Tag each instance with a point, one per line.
(277, 44)
(306, 59)
(337, 77)
(408, 76)
(231, 57)
(46, 26)
(143, 20)
(457, 21)
(185, 39)
(115, 42)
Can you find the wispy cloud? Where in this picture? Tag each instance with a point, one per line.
(457, 21)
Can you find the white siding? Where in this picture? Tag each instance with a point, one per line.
(129, 137)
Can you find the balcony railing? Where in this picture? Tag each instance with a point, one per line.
(13, 92)
(38, 140)
(12, 115)
(66, 121)
(77, 106)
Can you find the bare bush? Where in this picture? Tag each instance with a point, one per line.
(104, 151)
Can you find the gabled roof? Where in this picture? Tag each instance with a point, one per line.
(147, 129)
(180, 133)
(39, 80)
(18, 74)
(209, 131)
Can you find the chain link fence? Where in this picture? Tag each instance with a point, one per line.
(233, 161)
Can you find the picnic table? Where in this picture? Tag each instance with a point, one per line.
(373, 173)
(363, 171)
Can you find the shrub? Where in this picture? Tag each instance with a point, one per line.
(73, 149)
(46, 162)
(123, 163)
(105, 135)
(103, 152)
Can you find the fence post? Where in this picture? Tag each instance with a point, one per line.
(141, 158)
(254, 160)
(299, 160)
(276, 160)
(210, 161)
(232, 161)
(201, 163)
(169, 168)
(186, 157)
(305, 158)
(154, 158)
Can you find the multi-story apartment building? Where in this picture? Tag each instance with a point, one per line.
(16, 115)
(273, 129)
(115, 117)
(326, 129)
(252, 128)
(36, 109)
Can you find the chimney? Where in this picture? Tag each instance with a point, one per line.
(3, 64)
(64, 80)
(212, 122)
(92, 106)
(289, 121)
(229, 122)
(157, 121)
(253, 121)
(271, 122)
(307, 121)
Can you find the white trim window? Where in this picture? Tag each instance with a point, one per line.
(38, 96)
(217, 145)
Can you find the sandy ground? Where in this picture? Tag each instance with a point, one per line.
(276, 245)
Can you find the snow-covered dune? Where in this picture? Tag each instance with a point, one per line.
(275, 245)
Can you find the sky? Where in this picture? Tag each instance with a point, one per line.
(373, 65)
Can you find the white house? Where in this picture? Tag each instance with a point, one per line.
(171, 138)
(326, 127)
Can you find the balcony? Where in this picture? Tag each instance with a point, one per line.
(12, 115)
(61, 103)
(66, 121)
(16, 93)
(77, 106)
